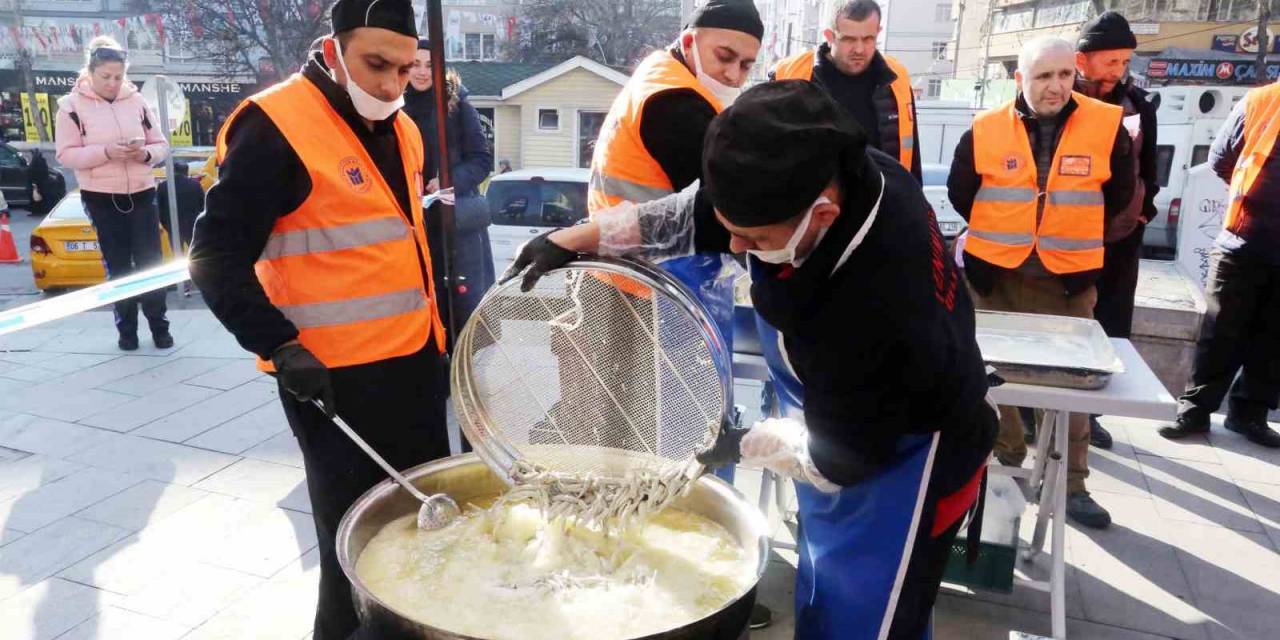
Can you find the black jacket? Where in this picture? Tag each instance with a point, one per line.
(1146, 154)
(963, 184)
(190, 197)
(672, 127)
(470, 162)
(885, 345)
(869, 99)
(260, 180)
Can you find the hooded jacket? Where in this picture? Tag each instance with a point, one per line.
(87, 124)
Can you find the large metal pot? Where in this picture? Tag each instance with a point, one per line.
(466, 479)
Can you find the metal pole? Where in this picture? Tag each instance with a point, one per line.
(162, 92)
(1264, 41)
(435, 32)
(955, 62)
(25, 63)
(986, 55)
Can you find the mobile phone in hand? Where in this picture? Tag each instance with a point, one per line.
(135, 142)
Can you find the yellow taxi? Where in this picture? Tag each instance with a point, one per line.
(64, 248)
(200, 165)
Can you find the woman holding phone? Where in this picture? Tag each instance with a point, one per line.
(108, 135)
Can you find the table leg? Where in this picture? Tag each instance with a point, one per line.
(1044, 434)
(1049, 466)
(1058, 577)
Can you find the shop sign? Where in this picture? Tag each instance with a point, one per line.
(1227, 43)
(28, 119)
(1209, 71)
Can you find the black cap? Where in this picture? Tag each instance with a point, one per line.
(768, 156)
(424, 43)
(392, 15)
(738, 15)
(1105, 32)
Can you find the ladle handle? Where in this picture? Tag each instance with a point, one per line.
(386, 466)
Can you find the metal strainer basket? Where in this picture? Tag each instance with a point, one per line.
(606, 368)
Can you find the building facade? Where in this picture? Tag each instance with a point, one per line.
(991, 32)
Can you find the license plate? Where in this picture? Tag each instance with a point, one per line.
(82, 245)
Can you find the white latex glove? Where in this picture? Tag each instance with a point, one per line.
(781, 445)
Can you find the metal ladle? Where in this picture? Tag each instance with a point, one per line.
(436, 512)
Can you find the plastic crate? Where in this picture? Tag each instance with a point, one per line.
(992, 570)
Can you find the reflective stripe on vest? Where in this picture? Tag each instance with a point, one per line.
(327, 314)
(346, 266)
(1068, 234)
(321, 240)
(1261, 127)
(800, 67)
(621, 167)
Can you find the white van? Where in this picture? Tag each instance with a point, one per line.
(941, 123)
(1187, 120)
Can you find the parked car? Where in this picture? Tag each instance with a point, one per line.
(529, 202)
(935, 191)
(15, 177)
(200, 165)
(64, 248)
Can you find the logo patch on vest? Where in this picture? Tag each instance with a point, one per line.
(355, 176)
(1011, 163)
(1075, 166)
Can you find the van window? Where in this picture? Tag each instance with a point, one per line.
(1199, 154)
(536, 203)
(1164, 163)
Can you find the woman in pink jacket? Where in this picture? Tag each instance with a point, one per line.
(106, 133)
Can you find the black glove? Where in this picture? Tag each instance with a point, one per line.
(540, 255)
(726, 450)
(301, 374)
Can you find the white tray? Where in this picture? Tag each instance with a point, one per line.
(1053, 351)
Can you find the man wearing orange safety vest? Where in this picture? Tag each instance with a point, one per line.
(1038, 179)
(873, 87)
(1242, 328)
(312, 252)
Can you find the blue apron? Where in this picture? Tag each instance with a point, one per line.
(854, 545)
(705, 275)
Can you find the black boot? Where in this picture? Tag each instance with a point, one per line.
(1255, 429)
(1082, 509)
(1187, 424)
(1099, 437)
(128, 342)
(163, 339)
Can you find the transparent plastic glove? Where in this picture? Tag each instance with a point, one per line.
(781, 445)
(655, 230)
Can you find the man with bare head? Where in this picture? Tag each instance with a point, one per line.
(1039, 179)
(873, 87)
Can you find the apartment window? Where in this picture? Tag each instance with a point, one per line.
(942, 13)
(934, 88)
(479, 46)
(548, 119)
(940, 49)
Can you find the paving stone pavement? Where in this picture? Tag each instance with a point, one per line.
(161, 495)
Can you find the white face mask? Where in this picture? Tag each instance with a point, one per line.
(366, 105)
(787, 254)
(723, 92)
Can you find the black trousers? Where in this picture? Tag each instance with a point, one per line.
(128, 228)
(1118, 283)
(396, 405)
(1241, 333)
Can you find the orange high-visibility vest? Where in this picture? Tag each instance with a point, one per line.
(1261, 126)
(1002, 224)
(621, 168)
(800, 67)
(344, 266)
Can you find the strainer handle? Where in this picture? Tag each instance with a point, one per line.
(386, 466)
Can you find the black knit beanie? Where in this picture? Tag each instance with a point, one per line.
(737, 15)
(1105, 32)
